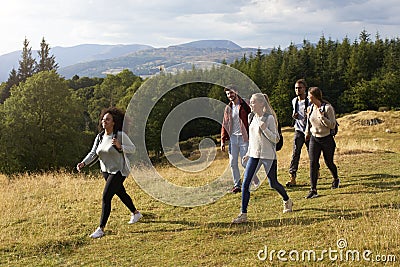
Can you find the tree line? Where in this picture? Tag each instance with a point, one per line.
(362, 75)
(49, 122)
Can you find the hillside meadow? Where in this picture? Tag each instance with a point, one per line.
(46, 218)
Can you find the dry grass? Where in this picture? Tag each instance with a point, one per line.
(46, 218)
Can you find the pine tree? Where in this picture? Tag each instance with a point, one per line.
(46, 62)
(12, 80)
(27, 63)
(255, 69)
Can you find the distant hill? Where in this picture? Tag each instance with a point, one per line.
(226, 44)
(93, 60)
(148, 62)
(66, 56)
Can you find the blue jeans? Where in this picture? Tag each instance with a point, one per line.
(237, 146)
(270, 167)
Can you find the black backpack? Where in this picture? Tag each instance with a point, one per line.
(279, 145)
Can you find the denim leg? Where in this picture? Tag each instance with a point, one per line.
(243, 147)
(271, 167)
(234, 150)
(251, 167)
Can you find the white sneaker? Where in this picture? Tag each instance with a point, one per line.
(135, 217)
(287, 206)
(98, 233)
(242, 218)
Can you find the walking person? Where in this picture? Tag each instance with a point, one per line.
(109, 149)
(235, 128)
(321, 120)
(300, 104)
(263, 137)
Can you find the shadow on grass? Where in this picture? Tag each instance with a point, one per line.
(374, 180)
(174, 226)
(395, 206)
(381, 181)
(64, 247)
(329, 214)
(160, 225)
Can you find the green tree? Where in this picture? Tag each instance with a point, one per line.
(271, 66)
(115, 90)
(361, 65)
(46, 61)
(217, 92)
(280, 100)
(27, 63)
(255, 69)
(41, 118)
(343, 54)
(391, 62)
(321, 59)
(291, 66)
(3, 92)
(11, 81)
(107, 94)
(307, 60)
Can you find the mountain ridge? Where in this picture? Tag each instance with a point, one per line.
(95, 60)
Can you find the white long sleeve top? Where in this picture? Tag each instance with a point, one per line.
(263, 136)
(111, 160)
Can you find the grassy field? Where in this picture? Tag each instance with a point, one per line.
(46, 219)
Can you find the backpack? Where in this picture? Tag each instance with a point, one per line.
(333, 131)
(296, 106)
(279, 145)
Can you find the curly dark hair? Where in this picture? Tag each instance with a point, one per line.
(117, 115)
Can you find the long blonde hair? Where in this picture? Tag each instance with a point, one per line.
(267, 108)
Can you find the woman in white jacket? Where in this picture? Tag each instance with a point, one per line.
(263, 136)
(109, 149)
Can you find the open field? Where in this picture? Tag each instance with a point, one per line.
(46, 219)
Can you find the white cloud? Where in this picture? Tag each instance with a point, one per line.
(254, 23)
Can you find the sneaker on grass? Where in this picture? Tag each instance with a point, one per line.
(292, 181)
(242, 218)
(135, 217)
(236, 189)
(287, 206)
(335, 183)
(312, 194)
(98, 233)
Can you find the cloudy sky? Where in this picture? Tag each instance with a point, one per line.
(160, 23)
